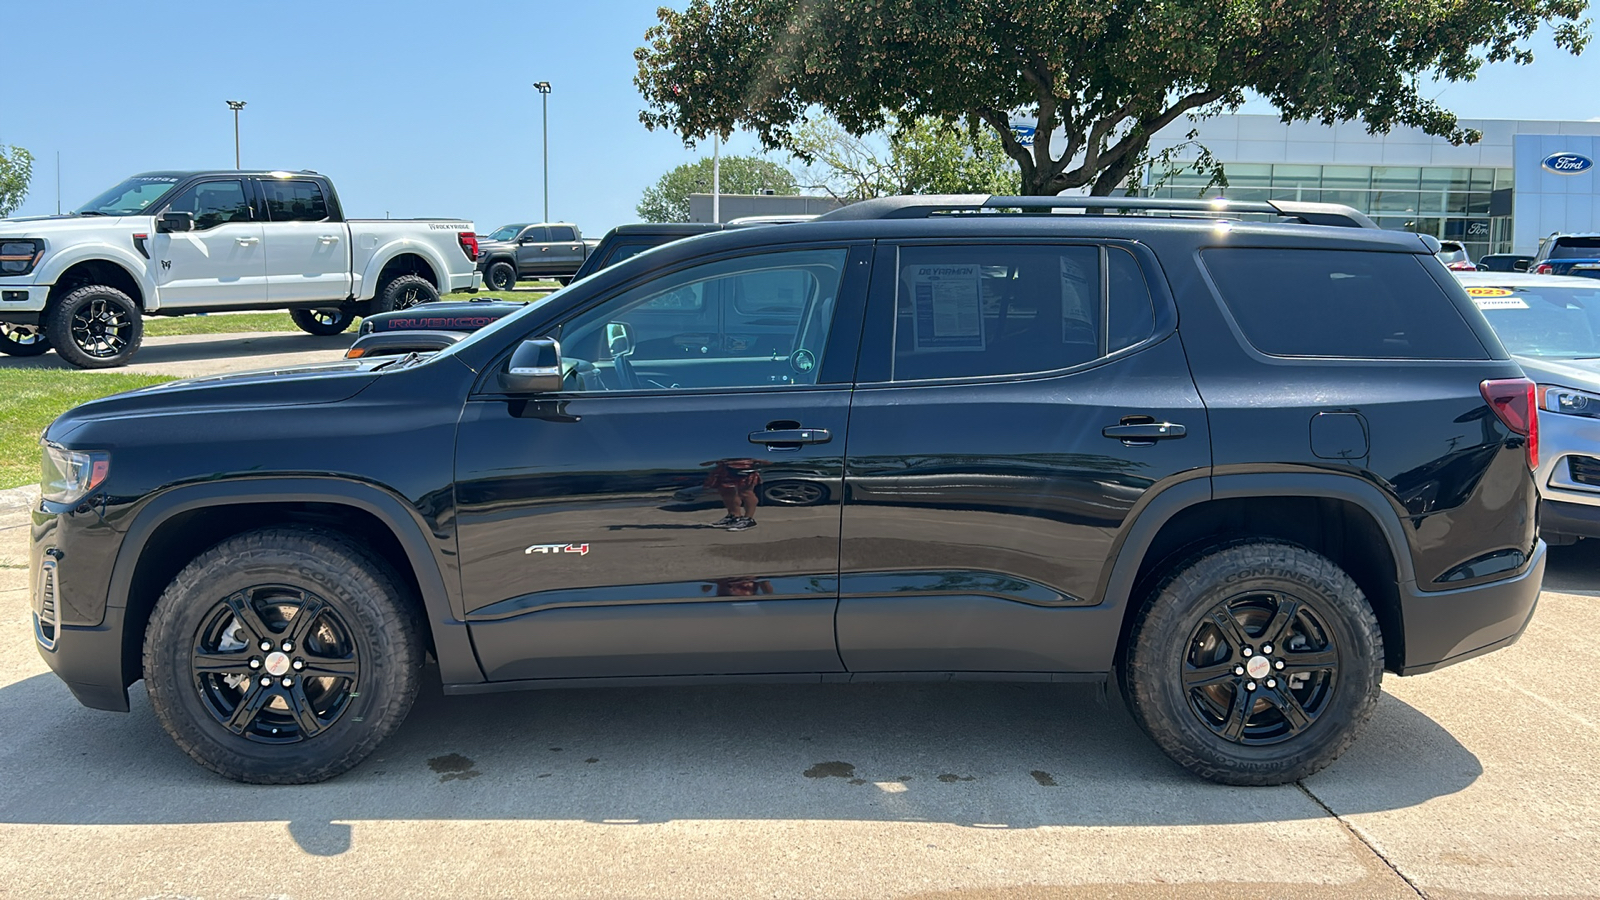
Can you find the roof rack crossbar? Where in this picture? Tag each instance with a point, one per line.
(918, 207)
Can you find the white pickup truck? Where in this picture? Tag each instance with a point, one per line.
(173, 243)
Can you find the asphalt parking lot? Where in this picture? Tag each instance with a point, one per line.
(1476, 781)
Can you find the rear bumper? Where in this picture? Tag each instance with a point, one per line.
(467, 281)
(1443, 628)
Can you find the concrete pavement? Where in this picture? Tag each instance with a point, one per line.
(1477, 781)
(187, 356)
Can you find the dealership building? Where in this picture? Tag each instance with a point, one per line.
(1522, 181)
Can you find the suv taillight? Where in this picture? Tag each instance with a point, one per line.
(1514, 401)
(469, 244)
(1545, 269)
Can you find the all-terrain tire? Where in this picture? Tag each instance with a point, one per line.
(502, 276)
(322, 321)
(404, 292)
(564, 280)
(22, 340)
(364, 617)
(1190, 676)
(95, 327)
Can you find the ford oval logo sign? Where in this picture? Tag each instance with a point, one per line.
(1567, 163)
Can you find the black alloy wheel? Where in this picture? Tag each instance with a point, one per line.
(502, 276)
(94, 327)
(322, 322)
(405, 292)
(275, 664)
(1260, 668)
(22, 340)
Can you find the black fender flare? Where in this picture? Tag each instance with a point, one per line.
(452, 646)
(1152, 514)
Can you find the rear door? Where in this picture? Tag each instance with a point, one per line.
(308, 252)
(639, 525)
(566, 251)
(1017, 400)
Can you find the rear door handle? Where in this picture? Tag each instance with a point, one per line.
(790, 438)
(1144, 433)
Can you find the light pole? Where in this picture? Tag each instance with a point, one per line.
(236, 105)
(543, 87)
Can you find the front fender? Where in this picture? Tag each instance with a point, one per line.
(57, 263)
(457, 662)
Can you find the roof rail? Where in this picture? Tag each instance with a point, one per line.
(919, 207)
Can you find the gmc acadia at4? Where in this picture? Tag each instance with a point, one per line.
(171, 243)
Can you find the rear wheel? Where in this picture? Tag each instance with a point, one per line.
(95, 327)
(22, 340)
(282, 656)
(1256, 663)
(322, 321)
(502, 276)
(564, 280)
(405, 292)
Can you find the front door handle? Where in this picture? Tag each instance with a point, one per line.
(246, 241)
(328, 238)
(1137, 434)
(790, 438)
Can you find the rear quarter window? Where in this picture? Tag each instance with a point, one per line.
(1340, 303)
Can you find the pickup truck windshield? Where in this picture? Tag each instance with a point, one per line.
(1576, 248)
(505, 232)
(130, 197)
(1557, 322)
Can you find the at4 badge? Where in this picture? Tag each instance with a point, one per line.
(580, 549)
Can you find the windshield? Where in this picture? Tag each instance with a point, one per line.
(1560, 322)
(505, 232)
(1576, 248)
(130, 197)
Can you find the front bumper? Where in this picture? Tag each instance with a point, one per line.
(1569, 474)
(1443, 628)
(22, 303)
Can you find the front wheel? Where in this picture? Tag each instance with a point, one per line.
(322, 321)
(282, 656)
(22, 340)
(502, 276)
(1254, 664)
(95, 327)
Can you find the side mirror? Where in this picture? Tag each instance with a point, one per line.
(619, 339)
(534, 368)
(174, 221)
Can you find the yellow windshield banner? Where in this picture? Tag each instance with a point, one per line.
(1488, 292)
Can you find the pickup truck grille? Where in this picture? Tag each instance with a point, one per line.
(1584, 469)
(46, 619)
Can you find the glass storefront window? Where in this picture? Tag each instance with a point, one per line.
(1502, 179)
(1478, 204)
(1396, 177)
(1307, 194)
(1296, 176)
(1396, 202)
(1483, 179)
(1357, 178)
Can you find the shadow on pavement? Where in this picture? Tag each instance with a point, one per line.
(972, 754)
(1574, 569)
(157, 350)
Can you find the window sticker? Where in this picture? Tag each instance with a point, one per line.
(1488, 292)
(1495, 298)
(949, 312)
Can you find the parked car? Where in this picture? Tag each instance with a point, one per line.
(1505, 262)
(174, 243)
(1059, 488)
(512, 253)
(1454, 256)
(627, 241)
(1551, 325)
(1568, 254)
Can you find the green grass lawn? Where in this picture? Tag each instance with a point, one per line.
(31, 398)
(162, 326)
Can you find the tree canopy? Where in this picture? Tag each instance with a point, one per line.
(16, 171)
(925, 156)
(1107, 74)
(668, 199)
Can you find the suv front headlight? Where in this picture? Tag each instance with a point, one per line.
(18, 256)
(1568, 401)
(69, 475)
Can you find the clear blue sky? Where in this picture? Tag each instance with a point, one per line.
(419, 109)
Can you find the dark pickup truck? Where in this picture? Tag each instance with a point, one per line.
(531, 250)
(1568, 254)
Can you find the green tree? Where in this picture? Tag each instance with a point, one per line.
(1107, 74)
(926, 156)
(16, 171)
(668, 199)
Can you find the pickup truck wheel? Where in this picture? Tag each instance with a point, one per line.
(405, 292)
(22, 340)
(282, 656)
(95, 327)
(564, 280)
(1255, 663)
(502, 276)
(322, 321)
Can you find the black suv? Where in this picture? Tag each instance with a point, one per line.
(1243, 466)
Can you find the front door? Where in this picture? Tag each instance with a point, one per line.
(533, 250)
(308, 256)
(675, 510)
(1017, 401)
(222, 262)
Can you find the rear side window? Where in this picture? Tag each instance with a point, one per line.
(1576, 248)
(1340, 303)
(562, 233)
(294, 201)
